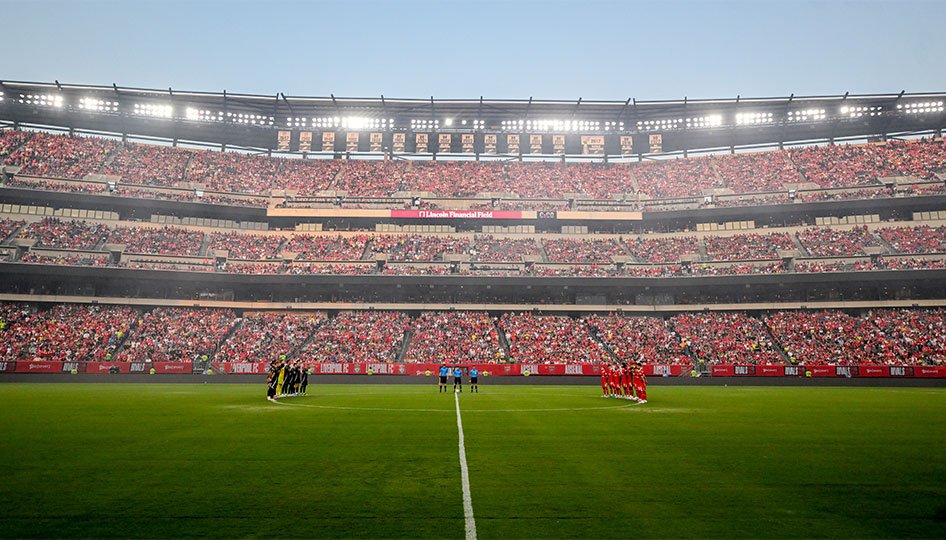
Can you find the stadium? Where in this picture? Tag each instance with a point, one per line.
(776, 266)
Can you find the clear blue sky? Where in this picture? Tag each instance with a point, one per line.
(554, 50)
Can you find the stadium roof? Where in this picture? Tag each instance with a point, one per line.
(685, 125)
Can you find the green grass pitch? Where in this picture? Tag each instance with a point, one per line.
(167, 460)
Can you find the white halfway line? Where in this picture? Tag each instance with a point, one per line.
(469, 520)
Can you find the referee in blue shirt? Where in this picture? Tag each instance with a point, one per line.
(457, 378)
(474, 385)
(444, 371)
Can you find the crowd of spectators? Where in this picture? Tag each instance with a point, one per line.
(673, 178)
(488, 248)
(419, 247)
(411, 270)
(920, 334)
(639, 339)
(831, 337)
(253, 247)
(76, 259)
(842, 165)
(10, 140)
(306, 176)
(758, 171)
(66, 234)
(921, 239)
(584, 250)
(61, 156)
(313, 247)
(64, 333)
(267, 337)
(743, 247)
(822, 242)
(234, 172)
(702, 269)
(726, 338)
(148, 164)
(7, 226)
(157, 240)
(66, 156)
(663, 250)
(537, 339)
(59, 187)
(454, 337)
(358, 336)
(176, 334)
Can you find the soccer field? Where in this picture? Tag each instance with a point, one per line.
(167, 460)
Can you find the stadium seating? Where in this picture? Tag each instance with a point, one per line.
(726, 338)
(311, 247)
(265, 337)
(57, 233)
(639, 339)
(662, 250)
(176, 334)
(148, 164)
(358, 336)
(584, 250)
(66, 332)
(163, 241)
(822, 242)
(246, 246)
(454, 337)
(742, 247)
(831, 337)
(549, 340)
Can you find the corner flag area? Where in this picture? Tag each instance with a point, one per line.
(218, 460)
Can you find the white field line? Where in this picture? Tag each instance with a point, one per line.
(469, 520)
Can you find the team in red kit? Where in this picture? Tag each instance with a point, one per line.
(625, 382)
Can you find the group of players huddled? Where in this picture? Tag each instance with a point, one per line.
(286, 379)
(624, 382)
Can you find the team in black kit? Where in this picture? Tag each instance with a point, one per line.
(287, 379)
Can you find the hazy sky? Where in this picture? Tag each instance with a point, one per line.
(553, 50)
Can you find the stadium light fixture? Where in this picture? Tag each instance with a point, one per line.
(806, 115)
(448, 122)
(251, 119)
(43, 100)
(709, 121)
(922, 107)
(860, 111)
(754, 118)
(203, 115)
(98, 105)
(660, 125)
(424, 124)
(154, 110)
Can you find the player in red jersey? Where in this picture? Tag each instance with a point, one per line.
(604, 380)
(640, 384)
(615, 381)
(626, 383)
